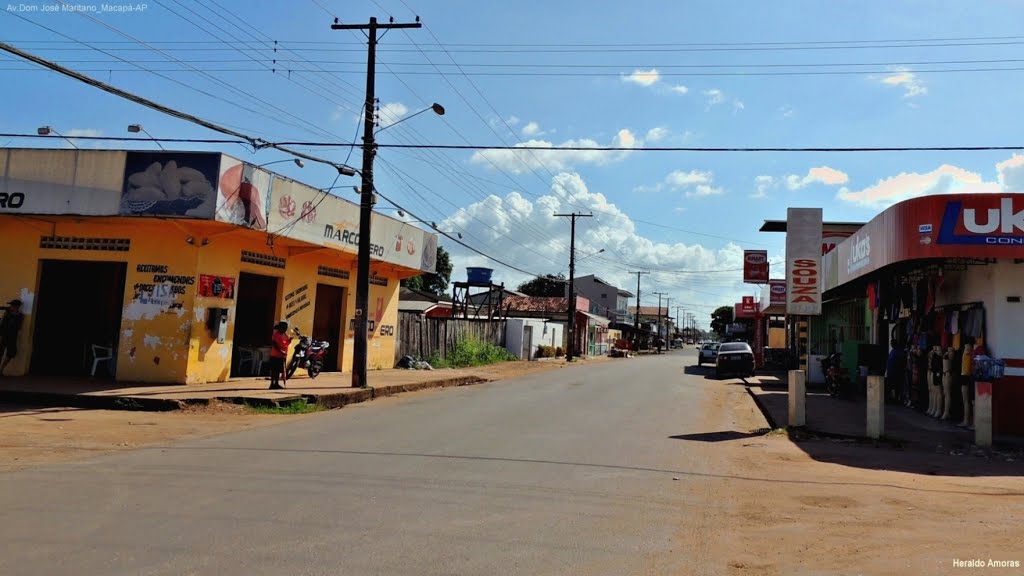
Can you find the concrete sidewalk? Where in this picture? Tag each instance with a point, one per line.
(848, 418)
(330, 390)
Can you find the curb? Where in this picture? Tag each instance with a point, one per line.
(142, 404)
(764, 409)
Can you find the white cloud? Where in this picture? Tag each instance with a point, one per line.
(391, 112)
(763, 184)
(643, 77)
(1011, 173)
(787, 111)
(496, 226)
(912, 85)
(518, 161)
(657, 133)
(820, 175)
(89, 132)
(532, 129)
(679, 179)
(694, 183)
(714, 97)
(737, 105)
(679, 89)
(945, 179)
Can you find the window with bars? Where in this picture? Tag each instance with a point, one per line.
(332, 272)
(262, 259)
(80, 243)
(378, 281)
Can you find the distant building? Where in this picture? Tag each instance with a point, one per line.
(605, 298)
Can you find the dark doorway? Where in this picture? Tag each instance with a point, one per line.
(78, 306)
(255, 312)
(327, 321)
(527, 343)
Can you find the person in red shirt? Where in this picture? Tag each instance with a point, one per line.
(279, 343)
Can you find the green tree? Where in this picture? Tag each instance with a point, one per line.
(547, 285)
(720, 319)
(436, 282)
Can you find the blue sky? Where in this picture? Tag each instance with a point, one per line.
(660, 211)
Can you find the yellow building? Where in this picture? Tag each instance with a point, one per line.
(177, 264)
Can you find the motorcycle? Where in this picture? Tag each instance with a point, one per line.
(309, 355)
(834, 379)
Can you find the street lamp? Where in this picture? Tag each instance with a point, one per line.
(136, 128)
(437, 109)
(589, 255)
(47, 130)
(297, 161)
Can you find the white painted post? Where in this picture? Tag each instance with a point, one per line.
(983, 414)
(797, 398)
(876, 407)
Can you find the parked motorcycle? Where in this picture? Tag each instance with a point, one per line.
(309, 355)
(831, 365)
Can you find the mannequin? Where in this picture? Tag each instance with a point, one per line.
(935, 374)
(908, 383)
(947, 383)
(966, 373)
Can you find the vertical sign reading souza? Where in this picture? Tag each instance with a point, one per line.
(803, 261)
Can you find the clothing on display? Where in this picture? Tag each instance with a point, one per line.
(954, 322)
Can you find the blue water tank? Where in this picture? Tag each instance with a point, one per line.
(482, 275)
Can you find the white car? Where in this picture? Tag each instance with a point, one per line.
(708, 353)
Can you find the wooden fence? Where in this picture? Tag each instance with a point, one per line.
(427, 337)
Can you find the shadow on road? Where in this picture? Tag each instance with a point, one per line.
(719, 436)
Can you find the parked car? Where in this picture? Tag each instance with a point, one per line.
(708, 353)
(734, 358)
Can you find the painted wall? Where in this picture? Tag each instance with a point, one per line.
(544, 334)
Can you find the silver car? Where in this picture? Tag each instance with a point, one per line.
(708, 353)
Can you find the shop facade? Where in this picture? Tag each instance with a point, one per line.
(171, 267)
(943, 276)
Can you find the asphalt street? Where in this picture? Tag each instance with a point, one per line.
(573, 471)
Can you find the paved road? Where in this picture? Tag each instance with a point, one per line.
(568, 472)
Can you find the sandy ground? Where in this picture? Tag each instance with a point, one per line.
(32, 436)
(835, 507)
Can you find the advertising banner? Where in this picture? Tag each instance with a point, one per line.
(216, 286)
(777, 293)
(755, 266)
(940, 226)
(85, 182)
(304, 213)
(170, 184)
(243, 193)
(803, 261)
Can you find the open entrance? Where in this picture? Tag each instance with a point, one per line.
(77, 318)
(327, 321)
(255, 316)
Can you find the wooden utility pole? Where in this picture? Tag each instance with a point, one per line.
(366, 196)
(571, 351)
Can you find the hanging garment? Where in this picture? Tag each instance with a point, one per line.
(972, 324)
(921, 297)
(871, 296)
(929, 302)
(943, 332)
(907, 295)
(956, 341)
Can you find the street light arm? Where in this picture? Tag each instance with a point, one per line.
(437, 108)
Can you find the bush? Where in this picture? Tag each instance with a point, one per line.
(474, 353)
(545, 351)
(559, 352)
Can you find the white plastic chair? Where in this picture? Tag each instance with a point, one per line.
(247, 356)
(101, 354)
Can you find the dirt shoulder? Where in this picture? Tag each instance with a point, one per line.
(833, 507)
(31, 436)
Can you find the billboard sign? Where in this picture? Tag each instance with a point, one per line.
(931, 227)
(755, 266)
(81, 182)
(170, 184)
(803, 261)
(320, 218)
(211, 286)
(777, 292)
(242, 194)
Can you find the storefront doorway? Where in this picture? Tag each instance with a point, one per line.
(255, 315)
(76, 320)
(327, 313)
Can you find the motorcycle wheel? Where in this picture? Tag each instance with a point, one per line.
(291, 368)
(833, 388)
(314, 370)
